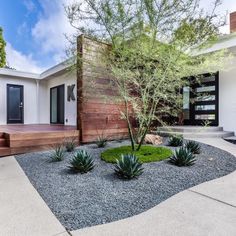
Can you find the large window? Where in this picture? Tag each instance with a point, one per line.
(57, 106)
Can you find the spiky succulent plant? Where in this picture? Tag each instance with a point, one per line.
(58, 153)
(82, 162)
(70, 144)
(182, 157)
(175, 141)
(193, 147)
(101, 142)
(128, 167)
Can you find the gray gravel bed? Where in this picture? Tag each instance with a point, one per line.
(99, 197)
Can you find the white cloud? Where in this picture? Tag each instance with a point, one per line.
(23, 28)
(30, 6)
(49, 32)
(19, 61)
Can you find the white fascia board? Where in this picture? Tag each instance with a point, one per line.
(16, 73)
(225, 42)
(55, 69)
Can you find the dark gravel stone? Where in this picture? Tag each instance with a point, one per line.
(99, 197)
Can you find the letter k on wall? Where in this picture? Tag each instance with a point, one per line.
(70, 93)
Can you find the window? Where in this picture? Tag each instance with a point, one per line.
(205, 97)
(205, 117)
(205, 107)
(205, 89)
(186, 102)
(208, 79)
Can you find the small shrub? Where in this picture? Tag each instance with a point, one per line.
(101, 141)
(128, 167)
(182, 157)
(175, 141)
(82, 162)
(57, 153)
(193, 147)
(70, 144)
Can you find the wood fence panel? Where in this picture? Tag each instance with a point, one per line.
(99, 112)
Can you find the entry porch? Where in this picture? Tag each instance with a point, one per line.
(16, 139)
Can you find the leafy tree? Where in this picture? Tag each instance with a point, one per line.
(2, 50)
(154, 45)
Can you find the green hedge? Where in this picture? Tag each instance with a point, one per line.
(145, 154)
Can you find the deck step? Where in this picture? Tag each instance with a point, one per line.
(3, 142)
(231, 138)
(5, 151)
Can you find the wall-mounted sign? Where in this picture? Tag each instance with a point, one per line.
(70, 93)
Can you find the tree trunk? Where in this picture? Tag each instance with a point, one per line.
(142, 139)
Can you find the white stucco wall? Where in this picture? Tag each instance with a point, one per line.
(67, 78)
(30, 109)
(38, 111)
(227, 98)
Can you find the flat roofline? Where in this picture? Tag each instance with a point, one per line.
(17, 73)
(44, 75)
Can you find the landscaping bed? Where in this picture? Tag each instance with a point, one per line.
(98, 197)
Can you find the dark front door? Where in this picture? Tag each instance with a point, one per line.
(15, 104)
(57, 104)
(201, 100)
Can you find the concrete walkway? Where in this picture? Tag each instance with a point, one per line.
(22, 211)
(206, 209)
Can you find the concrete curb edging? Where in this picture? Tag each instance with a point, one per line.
(23, 212)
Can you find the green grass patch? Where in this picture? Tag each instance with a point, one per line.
(145, 154)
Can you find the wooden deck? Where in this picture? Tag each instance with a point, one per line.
(16, 139)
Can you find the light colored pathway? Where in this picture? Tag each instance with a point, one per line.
(206, 209)
(22, 211)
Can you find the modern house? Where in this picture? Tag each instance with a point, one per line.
(47, 98)
(57, 98)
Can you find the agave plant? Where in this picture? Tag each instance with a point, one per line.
(193, 147)
(82, 162)
(182, 157)
(101, 141)
(128, 167)
(175, 141)
(58, 153)
(70, 144)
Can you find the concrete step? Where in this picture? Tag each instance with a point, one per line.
(231, 138)
(190, 129)
(216, 134)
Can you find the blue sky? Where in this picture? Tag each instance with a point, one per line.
(34, 31)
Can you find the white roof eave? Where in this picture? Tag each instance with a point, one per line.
(46, 74)
(16, 73)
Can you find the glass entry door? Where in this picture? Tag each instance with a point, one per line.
(57, 104)
(15, 106)
(201, 100)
